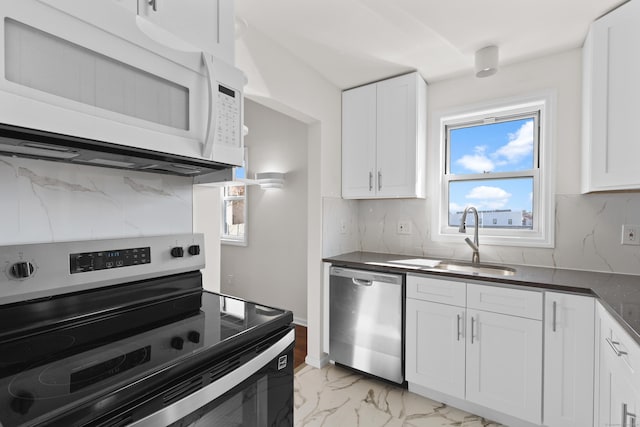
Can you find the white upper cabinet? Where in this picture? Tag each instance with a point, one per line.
(611, 101)
(568, 360)
(208, 25)
(384, 139)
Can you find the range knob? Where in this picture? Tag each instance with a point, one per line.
(22, 403)
(177, 343)
(194, 337)
(194, 250)
(22, 270)
(177, 252)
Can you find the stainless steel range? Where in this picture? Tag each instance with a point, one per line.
(120, 332)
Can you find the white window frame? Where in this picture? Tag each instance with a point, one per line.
(543, 233)
(225, 238)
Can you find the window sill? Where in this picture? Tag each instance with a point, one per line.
(233, 242)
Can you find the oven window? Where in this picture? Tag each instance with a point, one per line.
(246, 408)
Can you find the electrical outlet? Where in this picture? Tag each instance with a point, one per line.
(630, 235)
(404, 227)
(344, 228)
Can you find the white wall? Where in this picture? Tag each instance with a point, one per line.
(588, 227)
(279, 80)
(272, 268)
(206, 220)
(45, 201)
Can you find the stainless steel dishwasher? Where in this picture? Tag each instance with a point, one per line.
(366, 322)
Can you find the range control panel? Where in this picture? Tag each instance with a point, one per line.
(93, 261)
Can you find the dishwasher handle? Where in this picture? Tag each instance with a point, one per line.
(361, 282)
(363, 277)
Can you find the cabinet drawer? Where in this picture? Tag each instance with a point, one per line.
(436, 290)
(514, 302)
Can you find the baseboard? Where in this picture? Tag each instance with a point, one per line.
(317, 362)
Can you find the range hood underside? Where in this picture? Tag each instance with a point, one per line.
(36, 144)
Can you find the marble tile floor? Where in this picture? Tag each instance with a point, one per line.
(337, 397)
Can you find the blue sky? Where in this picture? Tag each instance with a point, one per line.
(497, 147)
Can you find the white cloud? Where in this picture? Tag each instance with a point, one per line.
(520, 144)
(477, 162)
(487, 198)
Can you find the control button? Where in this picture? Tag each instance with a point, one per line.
(194, 250)
(177, 252)
(22, 403)
(22, 270)
(177, 343)
(194, 337)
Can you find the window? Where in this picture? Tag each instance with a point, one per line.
(497, 159)
(234, 214)
(234, 207)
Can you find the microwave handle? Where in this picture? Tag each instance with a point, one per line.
(209, 136)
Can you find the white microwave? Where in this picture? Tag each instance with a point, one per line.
(81, 82)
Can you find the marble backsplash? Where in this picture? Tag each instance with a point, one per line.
(587, 235)
(46, 201)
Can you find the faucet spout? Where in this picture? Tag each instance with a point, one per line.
(475, 245)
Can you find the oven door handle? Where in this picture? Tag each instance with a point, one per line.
(198, 399)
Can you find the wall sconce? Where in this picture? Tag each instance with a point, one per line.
(270, 179)
(487, 61)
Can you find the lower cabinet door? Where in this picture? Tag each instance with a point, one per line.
(504, 364)
(568, 360)
(435, 346)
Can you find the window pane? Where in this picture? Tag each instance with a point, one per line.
(495, 147)
(501, 203)
(234, 221)
(234, 190)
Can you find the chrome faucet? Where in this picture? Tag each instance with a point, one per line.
(475, 258)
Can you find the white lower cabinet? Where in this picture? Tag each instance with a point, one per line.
(504, 364)
(487, 358)
(568, 360)
(436, 346)
(618, 396)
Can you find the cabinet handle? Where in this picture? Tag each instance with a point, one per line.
(459, 318)
(370, 181)
(361, 282)
(379, 180)
(614, 345)
(626, 414)
(473, 321)
(554, 316)
(207, 149)
(152, 3)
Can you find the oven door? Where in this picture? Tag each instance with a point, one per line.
(257, 393)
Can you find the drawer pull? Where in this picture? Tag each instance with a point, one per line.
(614, 345)
(361, 282)
(555, 307)
(459, 319)
(473, 321)
(370, 181)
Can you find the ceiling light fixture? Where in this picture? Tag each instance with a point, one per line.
(487, 61)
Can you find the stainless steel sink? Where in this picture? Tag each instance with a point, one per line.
(469, 268)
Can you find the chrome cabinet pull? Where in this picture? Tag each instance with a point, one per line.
(614, 345)
(370, 181)
(459, 318)
(379, 180)
(361, 282)
(554, 316)
(626, 414)
(152, 3)
(473, 321)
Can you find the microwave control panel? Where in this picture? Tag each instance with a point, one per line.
(228, 126)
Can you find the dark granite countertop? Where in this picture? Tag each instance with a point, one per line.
(618, 293)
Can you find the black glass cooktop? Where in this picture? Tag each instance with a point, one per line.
(49, 369)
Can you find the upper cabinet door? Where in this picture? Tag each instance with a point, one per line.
(359, 142)
(612, 101)
(398, 142)
(206, 24)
